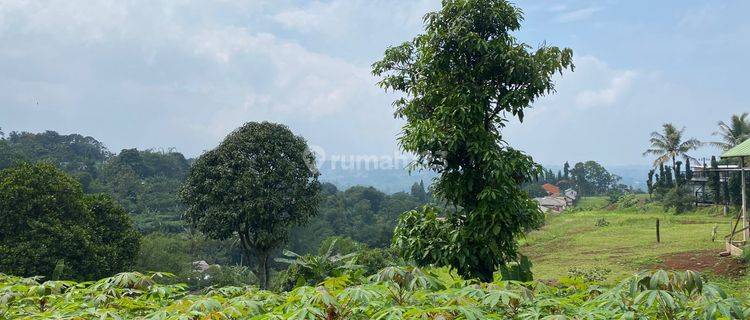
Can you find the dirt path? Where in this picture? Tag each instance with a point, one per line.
(703, 261)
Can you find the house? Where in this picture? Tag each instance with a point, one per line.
(552, 190)
(570, 196)
(555, 200)
(554, 204)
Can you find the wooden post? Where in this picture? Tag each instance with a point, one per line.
(658, 237)
(746, 233)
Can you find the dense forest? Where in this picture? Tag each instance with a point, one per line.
(147, 183)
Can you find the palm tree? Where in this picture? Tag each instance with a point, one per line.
(734, 133)
(669, 145)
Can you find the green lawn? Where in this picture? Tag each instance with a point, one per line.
(627, 245)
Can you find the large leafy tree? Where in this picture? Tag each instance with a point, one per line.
(47, 222)
(462, 81)
(256, 185)
(670, 145)
(592, 178)
(734, 132)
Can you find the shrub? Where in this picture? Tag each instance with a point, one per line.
(679, 198)
(601, 222)
(745, 257)
(312, 269)
(628, 200)
(593, 274)
(519, 270)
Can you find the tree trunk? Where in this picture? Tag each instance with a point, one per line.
(263, 271)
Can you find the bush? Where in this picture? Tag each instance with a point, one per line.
(594, 274)
(628, 200)
(678, 198)
(375, 259)
(519, 270)
(309, 270)
(745, 257)
(601, 222)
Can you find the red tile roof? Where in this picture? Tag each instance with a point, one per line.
(551, 188)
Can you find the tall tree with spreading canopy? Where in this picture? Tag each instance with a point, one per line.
(732, 133)
(256, 185)
(669, 144)
(462, 81)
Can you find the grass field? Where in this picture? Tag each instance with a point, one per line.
(628, 243)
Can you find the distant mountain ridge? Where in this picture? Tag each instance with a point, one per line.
(383, 178)
(391, 180)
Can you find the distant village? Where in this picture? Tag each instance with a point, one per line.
(556, 201)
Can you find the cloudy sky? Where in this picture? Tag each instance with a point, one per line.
(182, 74)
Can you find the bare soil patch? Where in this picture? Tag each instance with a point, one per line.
(703, 261)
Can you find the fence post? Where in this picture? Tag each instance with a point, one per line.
(658, 237)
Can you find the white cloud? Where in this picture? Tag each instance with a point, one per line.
(594, 85)
(577, 15)
(177, 69)
(316, 16)
(338, 17)
(619, 84)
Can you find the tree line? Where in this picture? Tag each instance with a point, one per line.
(144, 186)
(588, 178)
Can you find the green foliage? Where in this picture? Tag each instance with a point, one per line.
(518, 271)
(601, 222)
(164, 252)
(590, 275)
(256, 185)
(650, 182)
(418, 191)
(74, 153)
(394, 293)
(734, 132)
(745, 257)
(679, 198)
(627, 200)
(360, 213)
(309, 270)
(591, 178)
(49, 227)
(144, 182)
(175, 254)
(219, 276)
(147, 184)
(669, 144)
(336, 256)
(461, 79)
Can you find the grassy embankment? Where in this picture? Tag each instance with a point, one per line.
(628, 243)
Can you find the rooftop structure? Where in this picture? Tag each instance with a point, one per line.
(733, 245)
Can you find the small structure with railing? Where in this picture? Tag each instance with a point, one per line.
(740, 234)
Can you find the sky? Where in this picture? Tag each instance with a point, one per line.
(182, 74)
